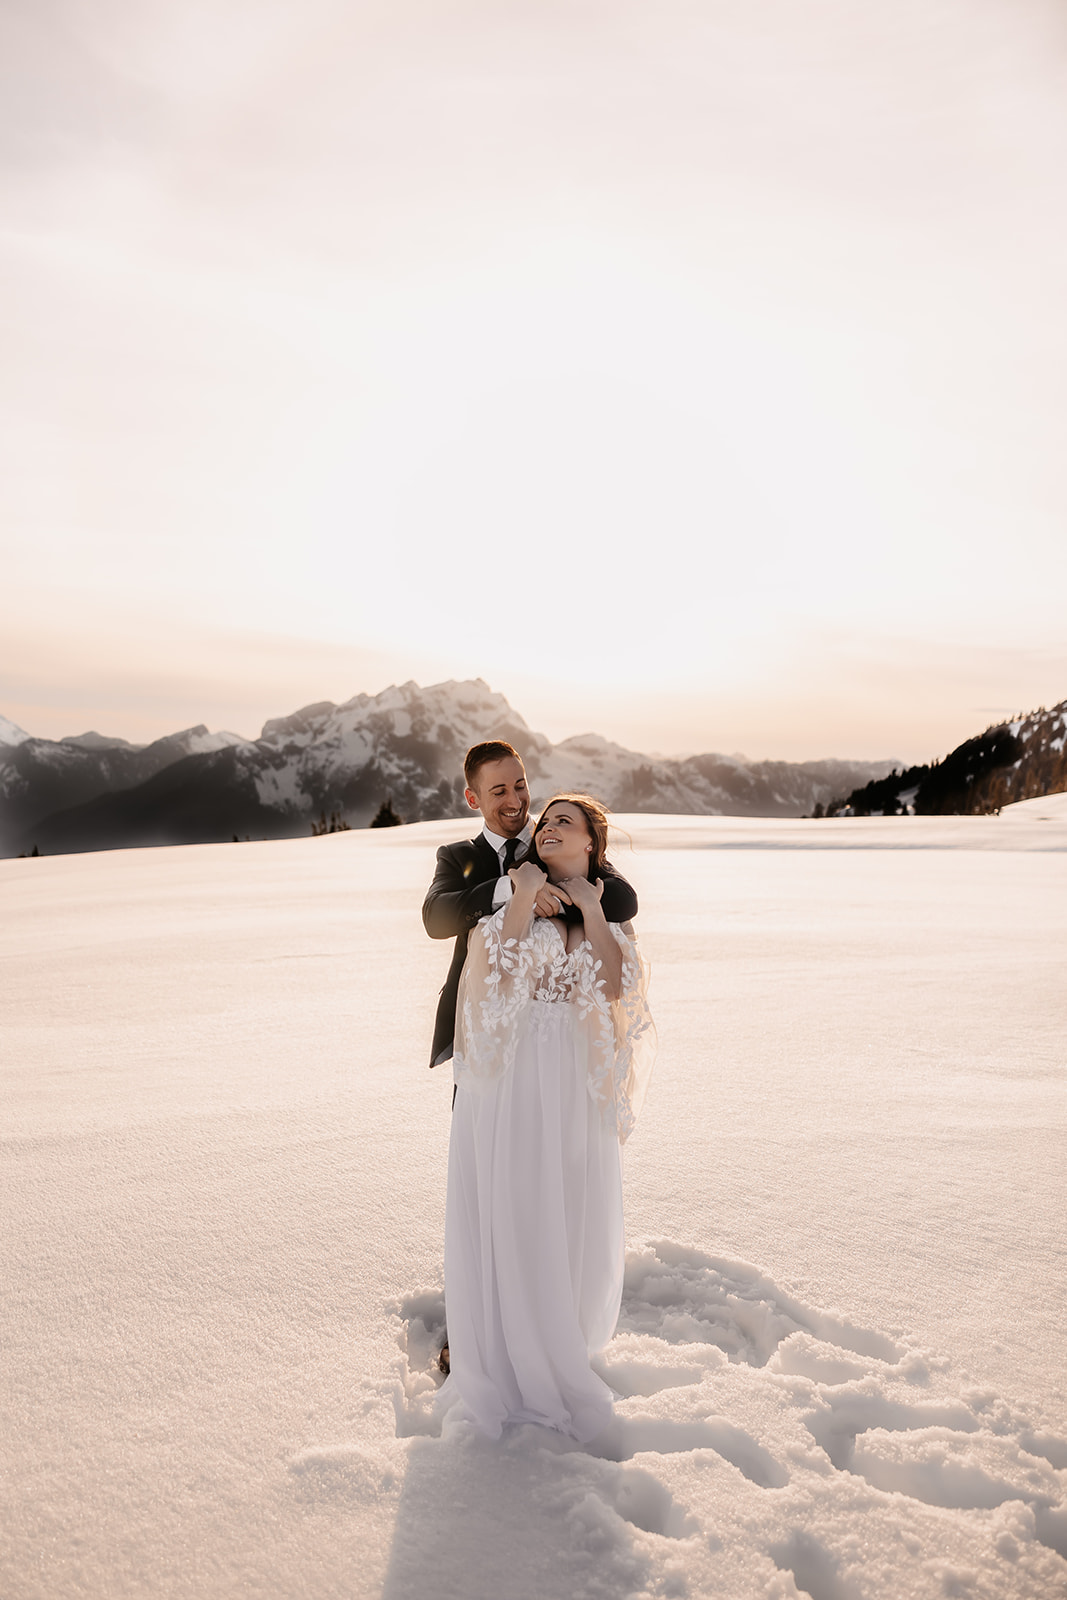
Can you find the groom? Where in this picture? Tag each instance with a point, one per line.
(471, 879)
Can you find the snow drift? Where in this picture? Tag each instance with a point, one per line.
(841, 1355)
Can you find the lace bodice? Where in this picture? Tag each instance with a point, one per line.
(506, 982)
(559, 975)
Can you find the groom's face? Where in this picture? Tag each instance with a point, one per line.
(498, 790)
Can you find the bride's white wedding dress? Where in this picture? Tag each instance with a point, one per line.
(549, 1075)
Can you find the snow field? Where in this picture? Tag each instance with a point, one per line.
(224, 1163)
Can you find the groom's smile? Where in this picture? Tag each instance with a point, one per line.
(501, 794)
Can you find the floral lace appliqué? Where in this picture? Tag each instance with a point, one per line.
(503, 979)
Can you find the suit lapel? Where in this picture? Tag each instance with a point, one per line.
(487, 858)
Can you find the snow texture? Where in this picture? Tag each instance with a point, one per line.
(202, 743)
(841, 1354)
(11, 733)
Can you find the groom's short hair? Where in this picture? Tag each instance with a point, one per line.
(479, 754)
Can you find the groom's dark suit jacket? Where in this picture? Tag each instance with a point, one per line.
(461, 894)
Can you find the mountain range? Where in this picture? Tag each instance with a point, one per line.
(406, 745)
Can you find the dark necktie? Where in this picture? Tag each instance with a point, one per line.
(510, 848)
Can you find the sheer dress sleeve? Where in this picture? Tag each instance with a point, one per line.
(495, 990)
(620, 1035)
(616, 1039)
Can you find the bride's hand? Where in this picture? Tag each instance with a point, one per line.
(527, 878)
(585, 895)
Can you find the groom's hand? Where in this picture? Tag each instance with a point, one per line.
(550, 899)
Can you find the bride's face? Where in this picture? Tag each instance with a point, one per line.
(564, 841)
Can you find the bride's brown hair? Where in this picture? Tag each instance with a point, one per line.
(596, 819)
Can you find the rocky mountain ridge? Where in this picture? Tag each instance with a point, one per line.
(42, 776)
(405, 744)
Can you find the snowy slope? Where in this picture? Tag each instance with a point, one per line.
(842, 1350)
(1042, 763)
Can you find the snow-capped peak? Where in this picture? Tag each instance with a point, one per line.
(200, 741)
(11, 733)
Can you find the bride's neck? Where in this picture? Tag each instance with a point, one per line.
(560, 874)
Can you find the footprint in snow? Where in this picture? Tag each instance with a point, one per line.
(877, 1415)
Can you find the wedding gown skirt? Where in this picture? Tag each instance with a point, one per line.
(533, 1235)
(549, 1078)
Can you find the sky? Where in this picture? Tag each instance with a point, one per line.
(693, 373)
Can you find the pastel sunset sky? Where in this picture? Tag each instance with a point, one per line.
(692, 371)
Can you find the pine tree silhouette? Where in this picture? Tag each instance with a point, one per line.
(386, 817)
(335, 824)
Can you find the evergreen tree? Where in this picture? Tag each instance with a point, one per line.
(386, 817)
(334, 824)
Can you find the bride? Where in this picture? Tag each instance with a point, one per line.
(553, 1047)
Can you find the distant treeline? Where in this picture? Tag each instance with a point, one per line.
(1009, 762)
(941, 788)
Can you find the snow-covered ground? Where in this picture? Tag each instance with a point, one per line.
(842, 1355)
